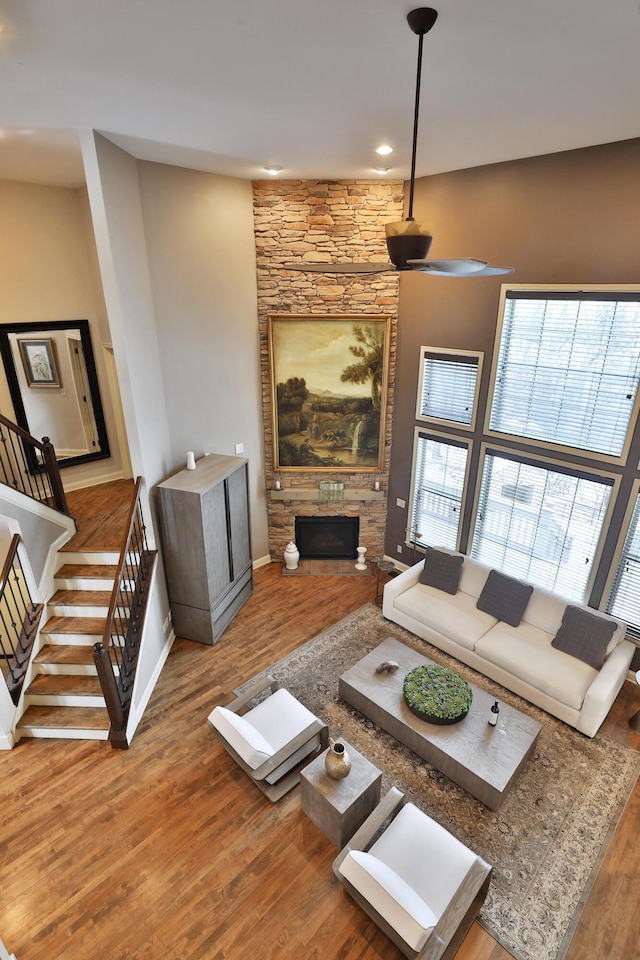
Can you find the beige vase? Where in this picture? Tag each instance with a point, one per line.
(336, 761)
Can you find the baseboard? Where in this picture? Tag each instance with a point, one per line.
(93, 481)
(261, 562)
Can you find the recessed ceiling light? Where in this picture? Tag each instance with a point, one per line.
(384, 150)
(381, 169)
(273, 170)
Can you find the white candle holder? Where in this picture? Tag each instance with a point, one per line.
(361, 565)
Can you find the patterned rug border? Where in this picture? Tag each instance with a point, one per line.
(553, 897)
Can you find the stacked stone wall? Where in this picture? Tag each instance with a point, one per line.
(324, 220)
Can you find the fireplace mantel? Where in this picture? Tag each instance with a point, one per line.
(306, 493)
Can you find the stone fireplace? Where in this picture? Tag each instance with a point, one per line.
(324, 220)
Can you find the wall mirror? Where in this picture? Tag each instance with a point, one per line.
(51, 378)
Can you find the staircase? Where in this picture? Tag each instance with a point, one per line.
(64, 698)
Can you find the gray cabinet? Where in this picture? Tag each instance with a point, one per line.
(204, 524)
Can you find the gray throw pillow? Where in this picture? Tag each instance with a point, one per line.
(504, 598)
(585, 636)
(441, 570)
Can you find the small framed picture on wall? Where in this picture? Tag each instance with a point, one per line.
(39, 361)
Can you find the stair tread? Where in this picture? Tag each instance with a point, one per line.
(71, 718)
(65, 684)
(81, 598)
(93, 625)
(92, 571)
(65, 653)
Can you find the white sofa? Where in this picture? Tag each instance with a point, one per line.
(520, 658)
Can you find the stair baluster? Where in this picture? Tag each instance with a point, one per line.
(116, 655)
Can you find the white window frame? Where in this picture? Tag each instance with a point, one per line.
(438, 438)
(545, 444)
(447, 353)
(546, 463)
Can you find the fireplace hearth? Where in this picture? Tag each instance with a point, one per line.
(327, 538)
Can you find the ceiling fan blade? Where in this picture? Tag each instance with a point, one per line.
(362, 268)
(458, 268)
(490, 271)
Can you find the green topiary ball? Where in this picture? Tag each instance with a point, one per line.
(437, 694)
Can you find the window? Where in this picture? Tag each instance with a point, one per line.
(439, 475)
(624, 599)
(449, 385)
(568, 368)
(539, 523)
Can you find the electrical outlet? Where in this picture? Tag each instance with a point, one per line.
(239, 447)
(399, 548)
(401, 503)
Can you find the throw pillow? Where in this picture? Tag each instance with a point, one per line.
(585, 636)
(441, 570)
(504, 598)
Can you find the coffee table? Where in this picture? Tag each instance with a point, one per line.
(483, 760)
(339, 807)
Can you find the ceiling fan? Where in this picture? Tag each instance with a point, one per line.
(408, 241)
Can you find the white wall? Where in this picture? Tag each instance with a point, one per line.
(201, 248)
(112, 185)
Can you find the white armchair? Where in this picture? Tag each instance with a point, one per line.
(272, 741)
(420, 884)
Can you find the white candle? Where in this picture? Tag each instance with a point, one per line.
(191, 460)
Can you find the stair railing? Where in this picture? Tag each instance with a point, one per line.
(19, 621)
(116, 655)
(44, 485)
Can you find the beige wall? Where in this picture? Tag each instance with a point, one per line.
(201, 250)
(45, 274)
(566, 218)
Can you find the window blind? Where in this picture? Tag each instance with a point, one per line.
(539, 524)
(624, 600)
(568, 370)
(449, 382)
(439, 474)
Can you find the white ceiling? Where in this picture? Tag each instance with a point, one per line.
(231, 85)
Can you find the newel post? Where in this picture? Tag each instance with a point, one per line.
(102, 660)
(53, 472)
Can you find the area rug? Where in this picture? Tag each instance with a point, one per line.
(548, 838)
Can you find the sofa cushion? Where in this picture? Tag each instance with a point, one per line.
(545, 610)
(247, 742)
(526, 652)
(441, 570)
(504, 597)
(455, 617)
(391, 896)
(280, 717)
(584, 635)
(414, 839)
(474, 576)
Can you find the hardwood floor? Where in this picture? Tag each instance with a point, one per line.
(168, 852)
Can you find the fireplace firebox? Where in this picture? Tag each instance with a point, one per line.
(327, 538)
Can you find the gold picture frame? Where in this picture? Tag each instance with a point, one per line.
(329, 382)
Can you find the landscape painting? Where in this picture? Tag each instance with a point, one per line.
(328, 389)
